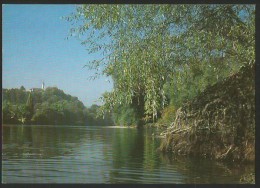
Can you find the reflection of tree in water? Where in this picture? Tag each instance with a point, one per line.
(150, 152)
(198, 170)
(40, 141)
(128, 154)
(133, 155)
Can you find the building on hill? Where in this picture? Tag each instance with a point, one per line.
(38, 89)
(43, 85)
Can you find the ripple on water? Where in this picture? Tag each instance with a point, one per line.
(56, 155)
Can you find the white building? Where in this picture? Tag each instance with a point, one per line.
(43, 85)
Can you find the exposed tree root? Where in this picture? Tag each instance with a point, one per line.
(219, 123)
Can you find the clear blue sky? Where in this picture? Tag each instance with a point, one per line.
(35, 49)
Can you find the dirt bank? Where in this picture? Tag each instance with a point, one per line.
(219, 123)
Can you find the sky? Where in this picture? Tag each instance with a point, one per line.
(35, 49)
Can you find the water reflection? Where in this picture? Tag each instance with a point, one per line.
(135, 158)
(71, 154)
(39, 141)
(200, 171)
(128, 154)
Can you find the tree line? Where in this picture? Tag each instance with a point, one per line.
(49, 107)
(163, 55)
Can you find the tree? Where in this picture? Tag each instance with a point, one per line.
(6, 112)
(30, 106)
(24, 113)
(146, 46)
(124, 115)
(22, 88)
(52, 107)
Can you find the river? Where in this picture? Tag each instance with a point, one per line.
(101, 154)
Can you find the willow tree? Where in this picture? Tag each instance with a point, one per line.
(144, 46)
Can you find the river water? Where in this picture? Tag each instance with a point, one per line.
(101, 154)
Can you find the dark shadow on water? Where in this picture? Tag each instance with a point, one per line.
(207, 171)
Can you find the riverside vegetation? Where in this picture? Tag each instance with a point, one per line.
(219, 123)
(186, 68)
(163, 55)
(47, 107)
(189, 68)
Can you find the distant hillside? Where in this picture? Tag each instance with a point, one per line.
(49, 107)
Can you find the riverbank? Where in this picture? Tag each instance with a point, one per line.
(219, 123)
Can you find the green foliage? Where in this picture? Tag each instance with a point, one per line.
(15, 96)
(50, 106)
(168, 115)
(124, 116)
(15, 113)
(157, 51)
(7, 113)
(94, 119)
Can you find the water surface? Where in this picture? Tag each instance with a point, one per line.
(96, 154)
